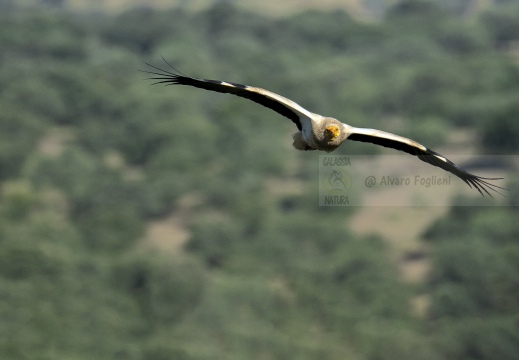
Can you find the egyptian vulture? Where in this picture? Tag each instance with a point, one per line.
(318, 132)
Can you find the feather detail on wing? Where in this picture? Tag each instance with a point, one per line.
(427, 155)
(271, 100)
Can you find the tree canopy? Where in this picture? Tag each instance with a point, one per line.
(91, 156)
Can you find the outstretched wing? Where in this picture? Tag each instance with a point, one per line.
(278, 103)
(427, 155)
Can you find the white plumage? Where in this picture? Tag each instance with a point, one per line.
(317, 132)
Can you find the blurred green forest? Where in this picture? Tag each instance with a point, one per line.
(91, 155)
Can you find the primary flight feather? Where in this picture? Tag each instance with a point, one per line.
(318, 132)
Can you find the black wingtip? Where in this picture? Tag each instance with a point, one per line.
(163, 76)
(480, 183)
(171, 66)
(485, 185)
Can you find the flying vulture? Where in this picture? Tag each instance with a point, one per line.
(316, 132)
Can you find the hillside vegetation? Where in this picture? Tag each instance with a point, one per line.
(91, 155)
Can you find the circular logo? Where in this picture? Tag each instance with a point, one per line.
(336, 181)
